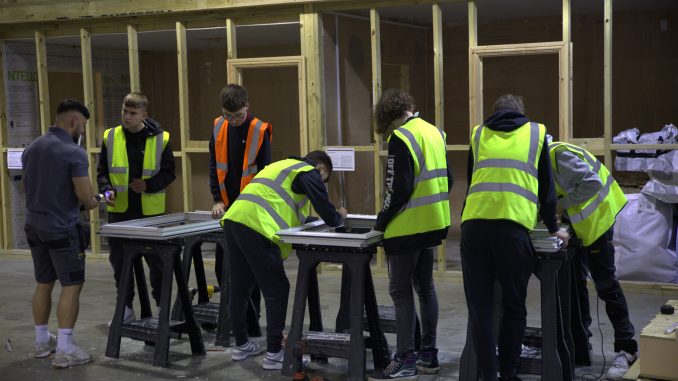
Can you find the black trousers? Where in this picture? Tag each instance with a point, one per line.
(496, 250)
(598, 259)
(116, 256)
(407, 271)
(256, 293)
(254, 259)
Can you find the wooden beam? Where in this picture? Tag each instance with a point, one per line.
(593, 145)
(231, 40)
(607, 82)
(184, 120)
(475, 68)
(438, 77)
(43, 83)
(375, 49)
(311, 50)
(37, 11)
(92, 123)
(133, 54)
(534, 48)
(439, 94)
(6, 234)
(567, 21)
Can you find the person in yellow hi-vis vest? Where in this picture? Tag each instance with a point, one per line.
(135, 167)
(415, 219)
(591, 200)
(509, 179)
(278, 197)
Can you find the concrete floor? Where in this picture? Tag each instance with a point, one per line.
(98, 300)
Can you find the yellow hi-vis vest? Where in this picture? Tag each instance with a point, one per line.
(504, 184)
(118, 170)
(429, 207)
(592, 218)
(268, 204)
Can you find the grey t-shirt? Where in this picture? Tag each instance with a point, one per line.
(49, 164)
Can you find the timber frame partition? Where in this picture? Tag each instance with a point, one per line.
(86, 18)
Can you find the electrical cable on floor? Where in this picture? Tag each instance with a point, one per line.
(589, 376)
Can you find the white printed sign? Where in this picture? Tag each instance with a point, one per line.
(14, 158)
(343, 159)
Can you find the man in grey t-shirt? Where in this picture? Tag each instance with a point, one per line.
(57, 183)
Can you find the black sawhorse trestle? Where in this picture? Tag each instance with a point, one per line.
(216, 314)
(362, 298)
(148, 328)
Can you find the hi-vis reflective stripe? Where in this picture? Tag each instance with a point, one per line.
(504, 187)
(590, 208)
(220, 165)
(267, 207)
(250, 170)
(276, 185)
(507, 163)
(427, 200)
(252, 154)
(593, 162)
(218, 129)
(110, 143)
(423, 173)
(528, 167)
(120, 188)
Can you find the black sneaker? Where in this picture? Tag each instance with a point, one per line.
(427, 361)
(401, 368)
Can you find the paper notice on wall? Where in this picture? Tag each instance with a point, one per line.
(343, 159)
(14, 158)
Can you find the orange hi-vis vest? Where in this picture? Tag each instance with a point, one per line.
(255, 138)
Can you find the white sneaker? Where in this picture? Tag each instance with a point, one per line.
(75, 357)
(620, 364)
(45, 349)
(129, 317)
(250, 348)
(273, 361)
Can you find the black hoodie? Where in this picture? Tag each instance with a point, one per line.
(136, 144)
(507, 120)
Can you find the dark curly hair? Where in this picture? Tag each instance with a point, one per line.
(392, 105)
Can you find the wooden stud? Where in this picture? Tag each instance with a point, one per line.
(184, 120)
(133, 54)
(474, 68)
(6, 234)
(607, 83)
(92, 123)
(375, 48)
(231, 40)
(439, 93)
(311, 50)
(43, 83)
(567, 70)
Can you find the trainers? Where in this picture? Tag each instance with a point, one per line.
(401, 368)
(75, 357)
(129, 317)
(273, 361)
(427, 361)
(46, 348)
(620, 364)
(246, 350)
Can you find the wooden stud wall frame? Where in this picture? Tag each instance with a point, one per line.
(237, 65)
(561, 48)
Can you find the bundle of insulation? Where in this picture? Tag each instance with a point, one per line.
(645, 241)
(663, 184)
(640, 160)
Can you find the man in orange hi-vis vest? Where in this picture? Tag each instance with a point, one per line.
(240, 147)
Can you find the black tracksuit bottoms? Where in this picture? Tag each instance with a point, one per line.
(496, 250)
(254, 259)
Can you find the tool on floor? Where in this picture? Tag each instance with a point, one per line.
(671, 328)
